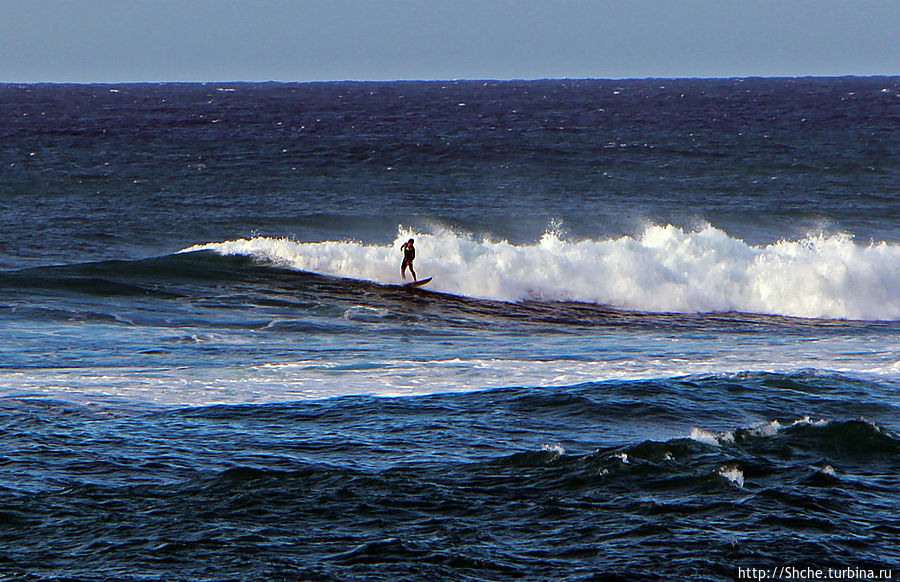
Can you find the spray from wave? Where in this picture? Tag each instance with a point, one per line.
(665, 269)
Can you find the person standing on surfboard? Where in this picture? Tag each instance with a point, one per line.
(409, 254)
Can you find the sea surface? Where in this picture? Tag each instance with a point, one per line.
(662, 341)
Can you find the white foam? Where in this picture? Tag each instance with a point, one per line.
(365, 313)
(807, 420)
(709, 438)
(665, 269)
(766, 430)
(556, 450)
(733, 474)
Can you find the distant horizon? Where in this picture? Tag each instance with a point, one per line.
(459, 80)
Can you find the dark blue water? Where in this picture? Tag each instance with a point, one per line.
(660, 342)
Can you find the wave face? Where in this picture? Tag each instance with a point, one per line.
(664, 269)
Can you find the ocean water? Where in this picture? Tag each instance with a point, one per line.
(662, 341)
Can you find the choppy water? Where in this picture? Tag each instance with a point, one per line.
(661, 341)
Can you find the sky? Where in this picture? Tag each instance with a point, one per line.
(117, 41)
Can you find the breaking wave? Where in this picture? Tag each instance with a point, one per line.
(664, 269)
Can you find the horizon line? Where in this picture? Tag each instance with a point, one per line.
(456, 80)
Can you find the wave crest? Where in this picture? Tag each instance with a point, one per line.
(664, 269)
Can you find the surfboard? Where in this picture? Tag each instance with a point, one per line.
(418, 283)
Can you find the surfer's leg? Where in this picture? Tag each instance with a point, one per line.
(413, 273)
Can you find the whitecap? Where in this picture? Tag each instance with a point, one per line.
(703, 436)
(733, 473)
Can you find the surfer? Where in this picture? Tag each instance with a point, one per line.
(409, 254)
